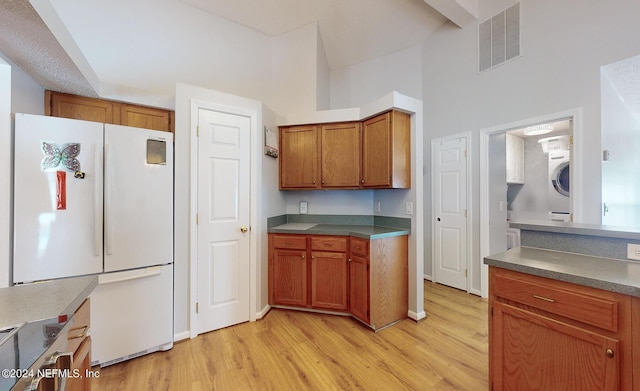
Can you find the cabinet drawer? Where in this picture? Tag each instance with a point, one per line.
(80, 327)
(359, 247)
(559, 298)
(298, 242)
(329, 243)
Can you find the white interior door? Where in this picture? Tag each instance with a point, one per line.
(450, 212)
(223, 219)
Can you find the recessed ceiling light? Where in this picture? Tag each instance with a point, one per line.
(537, 129)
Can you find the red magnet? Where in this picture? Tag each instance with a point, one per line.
(61, 190)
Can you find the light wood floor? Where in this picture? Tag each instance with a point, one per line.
(291, 350)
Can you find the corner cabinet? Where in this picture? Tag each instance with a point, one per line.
(366, 279)
(62, 105)
(375, 154)
(386, 151)
(551, 335)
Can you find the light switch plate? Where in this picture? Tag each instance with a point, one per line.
(408, 208)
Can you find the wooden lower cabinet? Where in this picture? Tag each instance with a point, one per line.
(550, 335)
(79, 342)
(364, 278)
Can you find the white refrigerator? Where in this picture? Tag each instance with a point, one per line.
(92, 198)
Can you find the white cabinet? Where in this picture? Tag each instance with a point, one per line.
(515, 159)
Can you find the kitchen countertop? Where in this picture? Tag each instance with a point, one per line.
(606, 231)
(360, 231)
(609, 274)
(43, 300)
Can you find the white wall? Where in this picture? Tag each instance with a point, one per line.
(621, 137)
(564, 43)
(361, 83)
(18, 93)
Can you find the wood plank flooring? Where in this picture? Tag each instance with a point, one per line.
(291, 350)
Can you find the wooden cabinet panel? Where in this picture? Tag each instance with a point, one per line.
(146, 117)
(298, 162)
(79, 107)
(388, 280)
(553, 335)
(540, 353)
(80, 329)
(81, 365)
(329, 280)
(329, 243)
(372, 154)
(340, 152)
(386, 151)
(289, 277)
(298, 242)
(359, 247)
(58, 104)
(359, 288)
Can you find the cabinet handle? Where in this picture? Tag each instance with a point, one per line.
(610, 353)
(544, 298)
(349, 260)
(288, 243)
(303, 257)
(328, 245)
(82, 334)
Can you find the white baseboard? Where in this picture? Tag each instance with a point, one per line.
(428, 277)
(417, 316)
(265, 310)
(180, 336)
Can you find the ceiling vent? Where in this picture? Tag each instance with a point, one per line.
(499, 38)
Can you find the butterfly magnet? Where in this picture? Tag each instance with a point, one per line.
(63, 157)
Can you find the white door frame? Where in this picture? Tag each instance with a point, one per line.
(196, 105)
(575, 115)
(466, 135)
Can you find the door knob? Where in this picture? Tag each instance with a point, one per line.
(244, 229)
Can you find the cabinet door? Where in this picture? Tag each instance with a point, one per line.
(299, 157)
(376, 151)
(290, 277)
(79, 107)
(81, 365)
(359, 288)
(340, 151)
(530, 351)
(329, 280)
(145, 117)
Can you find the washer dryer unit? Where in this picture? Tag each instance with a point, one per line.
(558, 196)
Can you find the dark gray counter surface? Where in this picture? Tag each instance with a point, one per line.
(607, 231)
(613, 275)
(360, 231)
(42, 300)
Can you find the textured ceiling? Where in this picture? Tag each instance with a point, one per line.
(26, 40)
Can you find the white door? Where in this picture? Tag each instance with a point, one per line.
(138, 198)
(223, 219)
(450, 210)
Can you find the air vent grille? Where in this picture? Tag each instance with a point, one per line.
(499, 38)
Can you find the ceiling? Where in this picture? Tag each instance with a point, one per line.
(101, 39)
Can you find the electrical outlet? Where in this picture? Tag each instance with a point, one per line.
(303, 207)
(633, 251)
(376, 208)
(408, 208)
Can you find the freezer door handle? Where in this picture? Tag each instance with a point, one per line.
(108, 223)
(148, 272)
(97, 208)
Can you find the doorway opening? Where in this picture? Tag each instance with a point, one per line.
(526, 174)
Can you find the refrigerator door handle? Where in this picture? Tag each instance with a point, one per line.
(108, 223)
(104, 279)
(97, 209)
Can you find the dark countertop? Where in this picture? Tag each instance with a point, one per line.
(43, 300)
(606, 231)
(608, 274)
(360, 231)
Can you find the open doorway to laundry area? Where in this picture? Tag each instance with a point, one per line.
(527, 171)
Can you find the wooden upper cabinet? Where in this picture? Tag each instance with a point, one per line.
(298, 162)
(58, 104)
(374, 154)
(146, 117)
(340, 151)
(79, 107)
(386, 151)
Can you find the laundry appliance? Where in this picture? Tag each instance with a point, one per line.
(559, 181)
